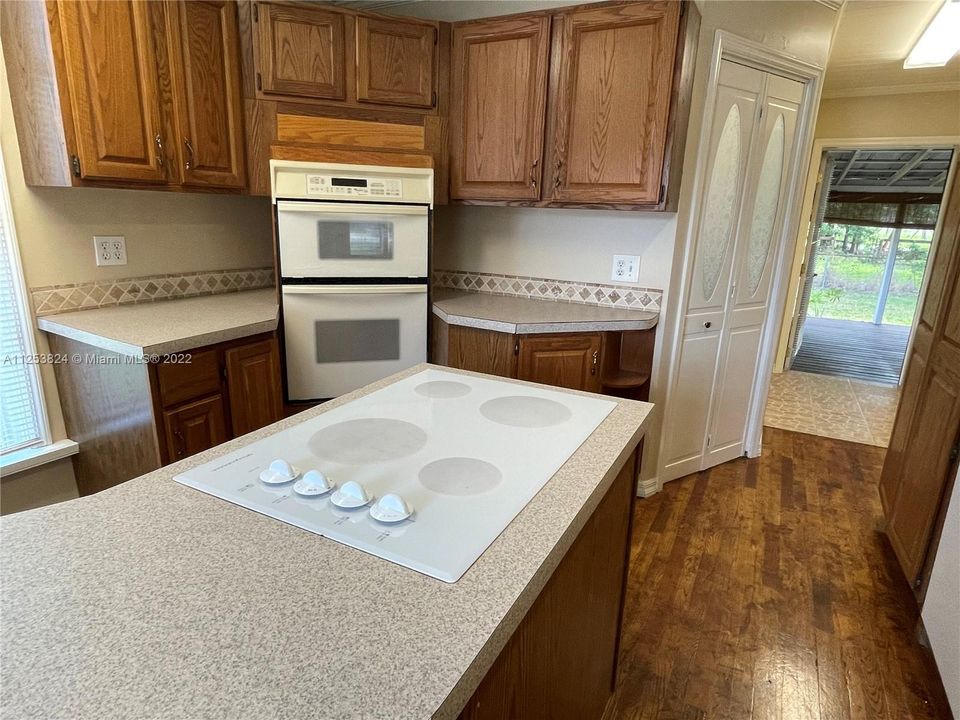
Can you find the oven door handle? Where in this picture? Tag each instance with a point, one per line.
(353, 289)
(348, 209)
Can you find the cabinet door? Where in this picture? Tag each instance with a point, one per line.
(254, 386)
(301, 51)
(483, 351)
(206, 67)
(111, 73)
(395, 62)
(612, 102)
(499, 88)
(568, 361)
(194, 427)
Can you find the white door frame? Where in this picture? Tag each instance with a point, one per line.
(728, 46)
(820, 146)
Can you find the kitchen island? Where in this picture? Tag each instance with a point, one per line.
(153, 600)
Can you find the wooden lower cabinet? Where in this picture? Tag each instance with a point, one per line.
(195, 427)
(561, 662)
(130, 418)
(611, 362)
(569, 361)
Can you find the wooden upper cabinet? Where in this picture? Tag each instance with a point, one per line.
(612, 102)
(568, 360)
(110, 68)
(301, 51)
(205, 60)
(254, 385)
(498, 97)
(395, 62)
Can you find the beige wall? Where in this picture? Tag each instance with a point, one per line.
(165, 232)
(868, 121)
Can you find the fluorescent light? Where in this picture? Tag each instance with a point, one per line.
(940, 41)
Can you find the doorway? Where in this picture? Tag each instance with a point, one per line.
(866, 259)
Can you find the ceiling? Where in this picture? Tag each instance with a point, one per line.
(890, 170)
(871, 43)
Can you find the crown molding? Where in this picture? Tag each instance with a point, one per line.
(911, 89)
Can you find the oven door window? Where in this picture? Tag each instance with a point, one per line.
(357, 340)
(348, 240)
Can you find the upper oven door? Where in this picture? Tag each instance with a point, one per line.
(339, 240)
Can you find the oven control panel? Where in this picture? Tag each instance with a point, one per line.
(333, 186)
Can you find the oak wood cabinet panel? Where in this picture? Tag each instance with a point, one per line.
(921, 460)
(181, 381)
(204, 48)
(110, 78)
(498, 97)
(395, 62)
(568, 360)
(483, 351)
(256, 398)
(561, 661)
(195, 427)
(612, 100)
(302, 51)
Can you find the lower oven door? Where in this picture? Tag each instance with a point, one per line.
(341, 337)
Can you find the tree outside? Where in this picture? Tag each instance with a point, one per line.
(850, 267)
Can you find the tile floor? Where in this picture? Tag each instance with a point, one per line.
(832, 407)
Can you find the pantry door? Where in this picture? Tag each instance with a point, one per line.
(761, 223)
(730, 280)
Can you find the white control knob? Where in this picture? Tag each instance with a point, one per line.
(390, 508)
(313, 483)
(350, 495)
(279, 472)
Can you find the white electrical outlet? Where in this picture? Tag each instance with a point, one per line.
(110, 249)
(626, 268)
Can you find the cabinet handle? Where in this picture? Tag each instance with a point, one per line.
(556, 174)
(190, 159)
(533, 174)
(159, 141)
(181, 445)
(596, 356)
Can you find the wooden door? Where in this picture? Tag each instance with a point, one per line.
(395, 62)
(499, 89)
(205, 58)
(301, 51)
(111, 74)
(611, 103)
(194, 427)
(569, 361)
(922, 454)
(254, 386)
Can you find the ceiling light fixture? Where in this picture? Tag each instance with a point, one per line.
(940, 41)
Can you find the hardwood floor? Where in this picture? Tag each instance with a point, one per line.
(765, 589)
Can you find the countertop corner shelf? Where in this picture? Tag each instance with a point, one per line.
(621, 379)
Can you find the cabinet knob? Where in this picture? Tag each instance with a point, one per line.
(708, 324)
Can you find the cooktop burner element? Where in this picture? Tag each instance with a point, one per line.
(442, 389)
(368, 440)
(460, 476)
(425, 472)
(525, 411)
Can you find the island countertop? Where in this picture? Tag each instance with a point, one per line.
(151, 599)
(527, 316)
(169, 326)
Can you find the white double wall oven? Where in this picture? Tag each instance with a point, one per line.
(353, 249)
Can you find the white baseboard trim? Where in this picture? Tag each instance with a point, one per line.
(646, 488)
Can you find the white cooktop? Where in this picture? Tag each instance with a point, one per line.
(465, 454)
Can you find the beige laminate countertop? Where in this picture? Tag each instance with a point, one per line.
(154, 600)
(517, 315)
(169, 326)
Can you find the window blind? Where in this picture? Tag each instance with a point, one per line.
(20, 423)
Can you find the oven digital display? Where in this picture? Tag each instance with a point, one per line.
(348, 182)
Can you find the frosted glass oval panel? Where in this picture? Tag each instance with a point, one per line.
(765, 208)
(718, 212)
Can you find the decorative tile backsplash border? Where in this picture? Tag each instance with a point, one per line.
(54, 299)
(619, 296)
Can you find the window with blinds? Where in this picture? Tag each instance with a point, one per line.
(21, 425)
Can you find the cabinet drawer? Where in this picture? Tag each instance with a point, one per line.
(179, 382)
